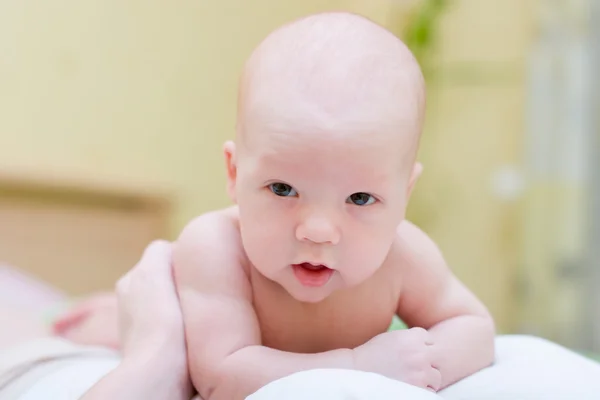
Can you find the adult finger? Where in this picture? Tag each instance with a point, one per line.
(156, 255)
(156, 260)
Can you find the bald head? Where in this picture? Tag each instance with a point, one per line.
(331, 73)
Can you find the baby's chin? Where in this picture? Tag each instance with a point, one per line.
(304, 295)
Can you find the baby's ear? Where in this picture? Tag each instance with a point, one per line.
(414, 176)
(231, 165)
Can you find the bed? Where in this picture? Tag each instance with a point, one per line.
(78, 235)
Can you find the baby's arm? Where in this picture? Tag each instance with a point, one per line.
(434, 299)
(225, 355)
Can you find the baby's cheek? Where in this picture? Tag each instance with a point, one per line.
(263, 242)
(367, 253)
(356, 273)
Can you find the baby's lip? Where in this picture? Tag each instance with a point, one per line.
(315, 264)
(312, 274)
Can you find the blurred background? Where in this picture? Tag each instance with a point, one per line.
(113, 114)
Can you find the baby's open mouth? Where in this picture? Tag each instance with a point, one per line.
(313, 275)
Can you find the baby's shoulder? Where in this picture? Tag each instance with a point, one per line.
(209, 251)
(218, 226)
(411, 246)
(213, 235)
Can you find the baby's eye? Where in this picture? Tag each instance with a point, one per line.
(282, 189)
(361, 199)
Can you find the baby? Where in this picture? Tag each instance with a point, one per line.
(308, 268)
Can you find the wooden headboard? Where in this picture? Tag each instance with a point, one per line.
(80, 236)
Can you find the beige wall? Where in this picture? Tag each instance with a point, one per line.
(475, 128)
(136, 92)
(144, 93)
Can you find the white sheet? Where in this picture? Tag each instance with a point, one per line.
(337, 384)
(526, 368)
(71, 382)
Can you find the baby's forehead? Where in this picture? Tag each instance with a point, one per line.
(348, 139)
(332, 154)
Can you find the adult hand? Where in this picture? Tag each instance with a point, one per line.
(154, 364)
(150, 319)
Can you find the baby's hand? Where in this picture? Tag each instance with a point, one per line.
(404, 355)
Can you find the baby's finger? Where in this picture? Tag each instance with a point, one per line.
(434, 379)
(423, 335)
(429, 339)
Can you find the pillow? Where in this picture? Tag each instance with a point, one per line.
(339, 384)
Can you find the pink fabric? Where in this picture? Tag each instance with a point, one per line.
(24, 304)
(22, 290)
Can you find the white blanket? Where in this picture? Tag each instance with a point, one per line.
(526, 368)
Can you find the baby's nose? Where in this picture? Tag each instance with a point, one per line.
(318, 229)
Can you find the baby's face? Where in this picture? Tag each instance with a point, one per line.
(329, 115)
(319, 214)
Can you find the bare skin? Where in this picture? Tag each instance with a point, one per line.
(310, 265)
(152, 343)
(330, 115)
(337, 332)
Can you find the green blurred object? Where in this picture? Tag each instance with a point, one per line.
(397, 324)
(420, 33)
(595, 357)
